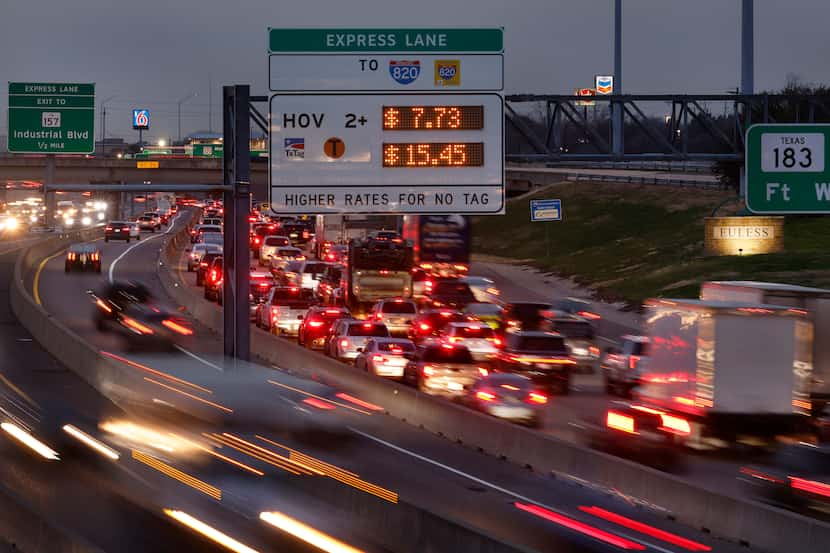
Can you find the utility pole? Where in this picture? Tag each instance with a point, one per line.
(104, 126)
(210, 103)
(616, 108)
(180, 102)
(747, 67)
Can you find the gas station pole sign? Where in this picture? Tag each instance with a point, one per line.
(411, 121)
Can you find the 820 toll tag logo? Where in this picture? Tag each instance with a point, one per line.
(404, 71)
(295, 148)
(447, 72)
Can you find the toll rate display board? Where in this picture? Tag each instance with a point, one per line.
(437, 147)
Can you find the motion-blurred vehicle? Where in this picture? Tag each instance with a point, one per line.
(577, 306)
(397, 314)
(623, 366)
(523, 315)
(508, 396)
(428, 324)
(135, 232)
(204, 265)
(488, 313)
(477, 337)
(377, 269)
(130, 308)
(796, 477)
(541, 356)
(317, 323)
(284, 256)
(337, 253)
(443, 369)
(484, 289)
(195, 254)
(385, 356)
(117, 230)
(284, 310)
(580, 337)
(148, 222)
(441, 243)
(450, 293)
(305, 273)
(348, 336)
(269, 247)
(213, 280)
(83, 257)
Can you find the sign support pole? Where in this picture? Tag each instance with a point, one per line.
(49, 197)
(237, 171)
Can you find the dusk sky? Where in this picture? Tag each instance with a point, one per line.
(155, 52)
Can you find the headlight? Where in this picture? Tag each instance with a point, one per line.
(101, 216)
(86, 221)
(68, 221)
(33, 218)
(11, 223)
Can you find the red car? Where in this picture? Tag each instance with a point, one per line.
(317, 323)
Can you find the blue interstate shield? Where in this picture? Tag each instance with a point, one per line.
(404, 71)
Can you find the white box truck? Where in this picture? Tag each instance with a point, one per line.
(816, 301)
(720, 372)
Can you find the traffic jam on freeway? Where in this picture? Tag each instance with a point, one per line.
(392, 308)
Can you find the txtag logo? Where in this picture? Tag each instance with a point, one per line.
(294, 148)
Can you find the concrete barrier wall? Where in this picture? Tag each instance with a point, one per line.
(403, 527)
(759, 525)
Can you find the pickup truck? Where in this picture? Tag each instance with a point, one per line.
(622, 366)
(284, 310)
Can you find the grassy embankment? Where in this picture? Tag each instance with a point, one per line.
(629, 242)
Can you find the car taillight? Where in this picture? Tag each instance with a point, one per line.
(618, 421)
(108, 229)
(305, 234)
(485, 396)
(483, 372)
(379, 316)
(378, 359)
(203, 264)
(137, 326)
(344, 343)
(496, 341)
(71, 256)
(537, 398)
(589, 315)
(428, 284)
(818, 488)
(193, 231)
(632, 361)
(256, 240)
(455, 339)
(330, 257)
(213, 275)
(424, 327)
(103, 306)
(593, 350)
(176, 327)
(428, 370)
(675, 425)
(264, 285)
(512, 323)
(315, 324)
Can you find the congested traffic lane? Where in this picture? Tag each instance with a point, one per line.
(415, 465)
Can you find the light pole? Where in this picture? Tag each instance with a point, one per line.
(104, 125)
(180, 102)
(616, 108)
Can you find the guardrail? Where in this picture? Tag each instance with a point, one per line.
(752, 523)
(404, 527)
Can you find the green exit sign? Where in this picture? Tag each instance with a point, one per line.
(786, 169)
(51, 118)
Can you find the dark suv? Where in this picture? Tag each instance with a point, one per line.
(541, 356)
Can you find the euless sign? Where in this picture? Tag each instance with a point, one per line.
(51, 118)
(785, 169)
(431, 143)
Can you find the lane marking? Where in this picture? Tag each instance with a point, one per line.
(197, 358)
(139, 243)
(309, 394)
(36, 281)
(191, 396)
(484, 482)
(18, 391)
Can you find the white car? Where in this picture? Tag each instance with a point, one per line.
(484, 289)
(270, 246)
(385, 356)
(479, 338)
(198, 251)
(135, 232)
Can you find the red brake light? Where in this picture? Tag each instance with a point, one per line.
(344, 343)
(256, 240)
(379, 316)
(675, 425)
(485, 396)
(108, 228)
(202, 264)
(589, 315)
(536, 397)
(367, 325)
(213, 275)
(176, 327)
(811, 486)
(378, 359)
(632, 361)
(315, 324)
(483, 372)
(497, 341)
(618, 421)
(332, 312)
(424, 327)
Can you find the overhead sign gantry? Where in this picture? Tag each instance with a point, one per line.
(386, 120)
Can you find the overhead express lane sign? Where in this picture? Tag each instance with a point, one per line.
(51, 118)
(415, 130)
(385, 40)
(787, 169)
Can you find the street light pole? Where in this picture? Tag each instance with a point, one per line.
(104, 125)
(180, 102)
(616, 107)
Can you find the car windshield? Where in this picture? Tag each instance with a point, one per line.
(444, 354)
(292, 297)
(451, 288)
(536, 343)
(525, 311)
(277, 241)
(314, 268)
(145, 218)
(396, 347)
(403, 307)
(213, 238)
(574, 329)
(367, 329)
(478, 331)
(483, 309)
(289, 252)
